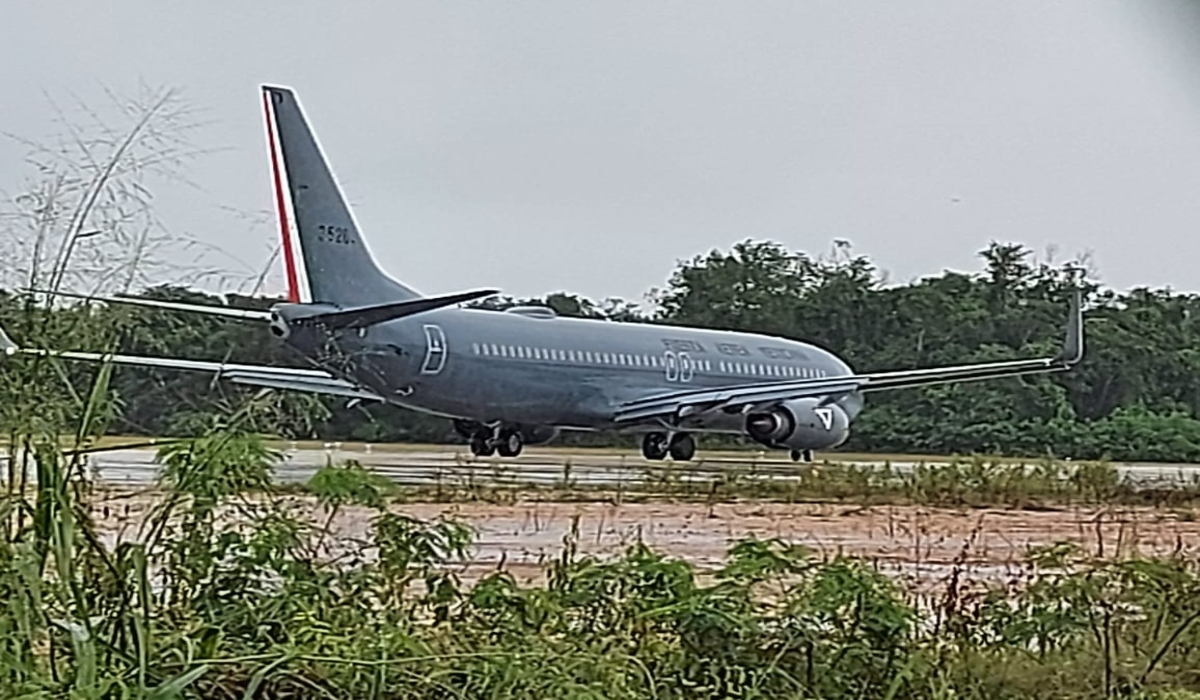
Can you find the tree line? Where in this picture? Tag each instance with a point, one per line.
(1134, 396)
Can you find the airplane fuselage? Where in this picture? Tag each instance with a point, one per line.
(528, 366)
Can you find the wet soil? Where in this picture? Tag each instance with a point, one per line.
(920, 544)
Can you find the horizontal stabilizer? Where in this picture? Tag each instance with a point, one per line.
(370, 315)
(250, 314)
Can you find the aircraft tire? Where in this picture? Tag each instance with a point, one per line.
(481, 446)
(683, 448)
(510, 443)
(654, 446)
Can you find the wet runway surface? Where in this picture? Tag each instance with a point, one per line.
(452, 465)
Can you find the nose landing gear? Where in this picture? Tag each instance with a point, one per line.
(806, 455)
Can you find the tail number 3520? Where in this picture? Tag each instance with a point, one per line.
(328, 233)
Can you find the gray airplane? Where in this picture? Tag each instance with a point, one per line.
(520, 376)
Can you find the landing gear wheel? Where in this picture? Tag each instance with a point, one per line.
(654, 446)
(806, 455)
(683, 447)
(510, 443)
(481, 446)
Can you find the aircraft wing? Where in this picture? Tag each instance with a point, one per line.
(230, 311)
(682, 404)
(290, 378)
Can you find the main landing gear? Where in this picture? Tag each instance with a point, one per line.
(680, 446)
(506, 442)
(806, 455)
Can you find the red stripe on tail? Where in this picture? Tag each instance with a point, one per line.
(289, 259)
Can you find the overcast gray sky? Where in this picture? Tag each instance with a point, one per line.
(588, 146)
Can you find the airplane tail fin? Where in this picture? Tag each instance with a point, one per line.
(325, 256)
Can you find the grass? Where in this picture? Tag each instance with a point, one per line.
(959, 483)
(229, 590)
(263, 605)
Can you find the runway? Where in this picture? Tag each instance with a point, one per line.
(455, 466)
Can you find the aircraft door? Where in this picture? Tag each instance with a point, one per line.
(435, 350)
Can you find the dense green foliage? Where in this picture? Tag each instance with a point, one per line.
(224, 595)
(1133, 398)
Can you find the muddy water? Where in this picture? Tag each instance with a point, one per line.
(920, 544)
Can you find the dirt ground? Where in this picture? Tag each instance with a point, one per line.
(917, 543)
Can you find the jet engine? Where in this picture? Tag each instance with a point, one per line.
(800, 424)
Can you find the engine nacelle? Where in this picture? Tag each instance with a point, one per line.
(800, 424)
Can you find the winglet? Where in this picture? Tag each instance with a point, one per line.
(7, 346)
(1072, 349)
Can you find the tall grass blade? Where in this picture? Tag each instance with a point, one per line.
(173, 689)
